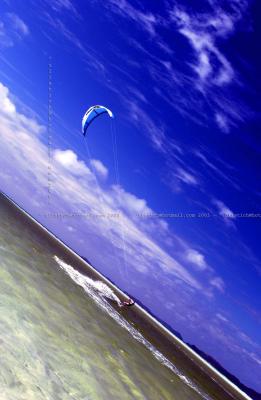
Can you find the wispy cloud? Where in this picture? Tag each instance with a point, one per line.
(152, 127)
(205, 32)
(225, 212)
(145, 20)
(222, 122)
(212, 67)
(220, 170)
(12, 29)
(61, 6)
(209, 78)
(218, 284)
(17, 24)
(221, 317)
(228, 334)
(186, 177)
(88, 55)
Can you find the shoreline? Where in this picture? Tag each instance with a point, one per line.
(151, 328)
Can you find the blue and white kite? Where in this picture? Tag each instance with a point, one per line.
(92, 113)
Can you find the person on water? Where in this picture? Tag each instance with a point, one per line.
(127, 303)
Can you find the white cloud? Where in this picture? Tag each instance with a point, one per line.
(10, 115)
(69, 160)
(130, 202)
(196, 258)
(7, 106)
(99, 168)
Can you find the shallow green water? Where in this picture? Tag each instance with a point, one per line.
(61, 339)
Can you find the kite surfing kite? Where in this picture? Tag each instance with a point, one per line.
(92, 113)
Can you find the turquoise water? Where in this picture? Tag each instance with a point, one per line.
(61, 339)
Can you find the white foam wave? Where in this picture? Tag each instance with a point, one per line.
(99, 291)
(87, 283)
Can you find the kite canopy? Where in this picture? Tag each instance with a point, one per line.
(92, 113)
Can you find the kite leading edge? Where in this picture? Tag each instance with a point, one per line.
(92, 113)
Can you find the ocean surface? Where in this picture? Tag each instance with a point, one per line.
(60, 336)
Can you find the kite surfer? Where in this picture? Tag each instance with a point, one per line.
(90, 115)
(127, 303)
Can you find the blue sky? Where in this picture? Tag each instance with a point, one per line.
(182, 79)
